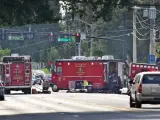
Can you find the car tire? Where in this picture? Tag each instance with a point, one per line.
(89, 89)
(137, 103)
(132, 105)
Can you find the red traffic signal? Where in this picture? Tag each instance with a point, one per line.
(51, 34)
(50, 63)
(78, 35)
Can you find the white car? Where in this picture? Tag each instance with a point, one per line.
(145, 89)
(124, 90)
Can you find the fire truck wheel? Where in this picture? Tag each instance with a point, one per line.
(89, 90)
(54, 88)
(27, 91)
(2, 98)
(7, 92)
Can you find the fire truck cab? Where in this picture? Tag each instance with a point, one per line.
(99, 73)
(17, 73)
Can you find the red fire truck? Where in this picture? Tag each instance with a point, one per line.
(136, 68)
(98, 72)
(141, 67)
(17, 73)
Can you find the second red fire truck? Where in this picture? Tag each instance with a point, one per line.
(17, 73)
(136, 68)
(96, 73)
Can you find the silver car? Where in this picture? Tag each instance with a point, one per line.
(145, 89)
(1, 91)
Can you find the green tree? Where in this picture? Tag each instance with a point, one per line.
(4, 52)
(19, 12)
(98, 8)
(53, 54)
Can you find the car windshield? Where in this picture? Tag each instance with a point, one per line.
(33, 78)
(151, 79)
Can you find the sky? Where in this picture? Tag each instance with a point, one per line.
(61, 9)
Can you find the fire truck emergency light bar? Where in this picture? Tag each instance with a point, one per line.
(145, 66)
(105, 57)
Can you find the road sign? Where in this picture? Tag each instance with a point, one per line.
(65, 39)
(10, 37)
(158, 61)
(151, 59)
(157, 49)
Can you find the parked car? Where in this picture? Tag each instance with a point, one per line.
(145, 89)
(2, 96)
(33, 80)
(48, 77)
(37, 80)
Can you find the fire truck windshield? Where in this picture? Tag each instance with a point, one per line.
(13, 59)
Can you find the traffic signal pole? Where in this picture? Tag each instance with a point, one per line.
(78, 41)
(79, 48)
(91, 43)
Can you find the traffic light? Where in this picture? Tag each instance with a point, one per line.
(78, 37)
(51, 34)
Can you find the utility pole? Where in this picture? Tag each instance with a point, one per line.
(89, 20)
(92, 27)
(152, 17)
(3, 34)
(134, 36)
(124, 37)
(29, 30)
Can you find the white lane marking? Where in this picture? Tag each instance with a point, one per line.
(95, 105)
(76, 116)
(75, 104)
(20, 107)
(47, 105)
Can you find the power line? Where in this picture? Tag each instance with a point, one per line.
(30, 44)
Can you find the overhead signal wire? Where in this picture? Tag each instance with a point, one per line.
(142, 25)
(49, 40)
(140, 38)
(142, 21)
(31, 44)
(49, 48)
(134, 26)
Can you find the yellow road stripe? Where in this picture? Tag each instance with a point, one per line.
(106, 106)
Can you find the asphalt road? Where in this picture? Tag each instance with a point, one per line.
(73, 106)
